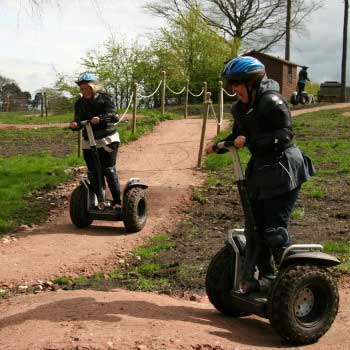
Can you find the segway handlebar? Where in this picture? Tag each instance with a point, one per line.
(225, 145)
(237, 167)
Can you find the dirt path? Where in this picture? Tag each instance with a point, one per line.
(122, 319)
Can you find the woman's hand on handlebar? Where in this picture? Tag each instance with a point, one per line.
(210, 148)
(95, 120)
(73, 125)
(240, 141)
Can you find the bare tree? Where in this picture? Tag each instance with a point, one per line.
(258, 24)
(344, 56)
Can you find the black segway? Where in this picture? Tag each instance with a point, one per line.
(300, 300)
(88, 203)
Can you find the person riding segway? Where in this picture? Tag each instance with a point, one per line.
(301, 95)
(95, 114)
(241, 278)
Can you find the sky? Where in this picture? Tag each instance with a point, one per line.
(34, 47)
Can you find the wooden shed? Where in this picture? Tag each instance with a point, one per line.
(284, 72)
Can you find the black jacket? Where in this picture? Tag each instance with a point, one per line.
(101, 105)
(276, 165)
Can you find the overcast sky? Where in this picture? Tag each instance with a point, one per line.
(34, 48)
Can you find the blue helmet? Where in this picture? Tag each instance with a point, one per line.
(87, 78)
(243, 68)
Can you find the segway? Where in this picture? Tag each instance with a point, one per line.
(303, 98)
(88, 201)
(300, 300)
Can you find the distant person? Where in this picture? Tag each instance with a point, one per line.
(277, 168)
(302, 79)
(98, 107)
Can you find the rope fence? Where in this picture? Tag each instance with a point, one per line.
(194, 95)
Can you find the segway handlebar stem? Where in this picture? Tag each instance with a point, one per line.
(237, 168)
(87, 125)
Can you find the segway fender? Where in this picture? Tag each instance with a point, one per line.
(134, 182)
(312, 258)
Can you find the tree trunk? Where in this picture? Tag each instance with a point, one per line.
(287, 48)
(345, 41)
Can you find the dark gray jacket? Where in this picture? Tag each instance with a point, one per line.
(101, 105)
(276, 165)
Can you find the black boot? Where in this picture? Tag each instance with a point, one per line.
(113, 184)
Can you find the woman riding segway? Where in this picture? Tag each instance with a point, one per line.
(277, 168)
(98, 108)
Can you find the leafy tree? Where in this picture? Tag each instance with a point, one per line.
(19, 100)
(196, 51)
(57, 102)
(114, 65)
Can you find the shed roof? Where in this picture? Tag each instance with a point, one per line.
(250, 53)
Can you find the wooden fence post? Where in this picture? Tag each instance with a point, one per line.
(205, 90)
(8, 103)
(207, 103)
(221, 106)
(163, 92)
(186, 97)
(41, 105)
(134, 109)
(46, 104)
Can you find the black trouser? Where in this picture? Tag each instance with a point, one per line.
(301, 87)
(272, 213)
(108, 162)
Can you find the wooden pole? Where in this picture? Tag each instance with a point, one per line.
(289, 13)
(344, 53)
(8, 103)
(204, 125)
(220, 104)
(186, 97)
(163, 91)
(205, 90)
(41, 105)
(134, 109)
(46, 104)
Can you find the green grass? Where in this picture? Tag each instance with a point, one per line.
(298, 213)
(148, 268)
(156, 244)
(63, 281)
(33, 117)
(342, 251)
(23, 175)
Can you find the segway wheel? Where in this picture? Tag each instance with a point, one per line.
(135, 209)
(303, 99)
(294, 100)
(78, 207)
(219, 283)
(303, 303)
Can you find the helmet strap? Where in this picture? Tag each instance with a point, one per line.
(251, 90)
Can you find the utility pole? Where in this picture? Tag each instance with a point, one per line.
(289, 13)
(344, 56)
